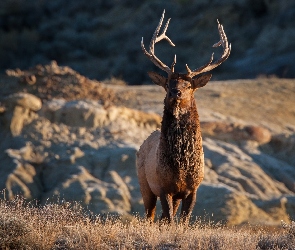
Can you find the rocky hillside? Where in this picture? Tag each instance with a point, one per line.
(64, 136)
(101, 39)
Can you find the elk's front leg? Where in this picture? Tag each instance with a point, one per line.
(187, 206)
(167, 207)
(176, 203)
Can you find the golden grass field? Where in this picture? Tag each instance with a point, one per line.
(67, 226)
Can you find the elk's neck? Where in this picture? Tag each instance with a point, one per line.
(181, 141)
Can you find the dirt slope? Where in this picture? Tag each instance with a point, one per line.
(269, 102)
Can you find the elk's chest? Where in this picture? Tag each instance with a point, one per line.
(181, 152)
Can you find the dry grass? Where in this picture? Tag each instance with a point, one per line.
(66, 226)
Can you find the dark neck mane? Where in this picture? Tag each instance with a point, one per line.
(180, 138)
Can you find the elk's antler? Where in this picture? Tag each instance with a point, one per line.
(205, 68)
(209, 66)
(151, 54)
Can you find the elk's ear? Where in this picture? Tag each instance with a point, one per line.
(201, 81)
(157, 79)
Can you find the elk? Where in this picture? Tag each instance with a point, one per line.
(170, 162)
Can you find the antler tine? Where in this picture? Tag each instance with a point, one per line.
(151, 54)
(163, 35)
(201, 68)
(209, 66)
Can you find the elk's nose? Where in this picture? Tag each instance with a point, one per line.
(175, 93)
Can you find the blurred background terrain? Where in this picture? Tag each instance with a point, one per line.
(101, 39)
(75, 106)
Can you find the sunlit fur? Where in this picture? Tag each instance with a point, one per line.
(170, 162)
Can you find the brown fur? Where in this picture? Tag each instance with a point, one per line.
(170, 162)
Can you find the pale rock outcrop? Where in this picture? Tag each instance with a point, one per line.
(237, 169)
(88, 113)
(220, 203)
(20, 174)
(98, 196)
(238, 190)
(279, 170)
(282, 146)
(290, 206)
(79, 113)
(20, 110)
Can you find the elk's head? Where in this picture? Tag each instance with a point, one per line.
(180, 87)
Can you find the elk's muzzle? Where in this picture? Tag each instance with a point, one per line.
(175, 94)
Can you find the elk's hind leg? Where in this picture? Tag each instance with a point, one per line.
(149, 198)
